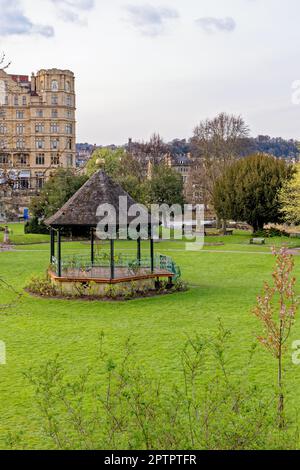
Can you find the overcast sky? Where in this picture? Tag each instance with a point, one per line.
(163, 65)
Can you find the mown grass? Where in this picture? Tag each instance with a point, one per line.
(222, 285)
(17, 236)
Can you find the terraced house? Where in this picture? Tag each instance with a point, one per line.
(37, 126)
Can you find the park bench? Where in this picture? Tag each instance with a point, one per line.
(257, 241)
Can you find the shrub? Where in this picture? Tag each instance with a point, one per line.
(208, 409)
(42, 287)
(34, 226)
(270, 233)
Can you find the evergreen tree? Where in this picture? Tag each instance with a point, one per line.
(56, 192)
(249, 189)
(166, 186)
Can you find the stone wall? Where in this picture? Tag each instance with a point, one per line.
(13, 203)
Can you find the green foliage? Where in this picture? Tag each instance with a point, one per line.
(57, 191)
(42, 287)
(270, 233)
(166, 186)
(207, 409)
(34, 226)
(290, 199)
(105, 158)
(248, 190)
(122, 168)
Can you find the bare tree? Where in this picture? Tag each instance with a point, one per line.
(4, 64)
(216, 143)
(153, 151)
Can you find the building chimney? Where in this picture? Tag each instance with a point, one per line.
(33, 82)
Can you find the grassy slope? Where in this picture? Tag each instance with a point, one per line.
(222, 285)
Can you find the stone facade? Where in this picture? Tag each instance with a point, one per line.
(37, 127)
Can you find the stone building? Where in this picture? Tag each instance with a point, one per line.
(37, 130)
(181, 163)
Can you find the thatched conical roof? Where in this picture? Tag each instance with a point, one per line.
(81, 209)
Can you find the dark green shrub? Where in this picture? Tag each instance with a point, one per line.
(270, 233)
(34, 226)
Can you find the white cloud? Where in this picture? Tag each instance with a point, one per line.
(150, 20)
(213, 25)
(71, 10)
(14, 22)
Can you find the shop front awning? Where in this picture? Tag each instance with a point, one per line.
(24, 174)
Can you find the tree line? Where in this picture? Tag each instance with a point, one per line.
(225, 174)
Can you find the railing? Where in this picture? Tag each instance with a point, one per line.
(82, 264)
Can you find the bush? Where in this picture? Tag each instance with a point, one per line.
(271, 233)
(36, 227)
(42, 287)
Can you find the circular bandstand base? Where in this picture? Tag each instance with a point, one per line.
(97, 283)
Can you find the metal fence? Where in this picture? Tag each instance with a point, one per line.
(77, 265)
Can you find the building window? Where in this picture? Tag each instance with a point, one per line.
(69, 160)
(20, 143)
(24, 183)
(39, 113)
(3, 144)
(39, 128)
(54, 100)
(54, 113)
(20, 128)
(22, 160)
(54, 127)
(54, 143)
(3, 129)
(40, 159)
(16, 100)
(24, 101)
(20, 114)
(54, 159)
(69, 101)
(69, 144)
(40, 143)
(69, 128)
(40, 180)
(3, 159)
(54, 85)
(68, 87)
(69, 114)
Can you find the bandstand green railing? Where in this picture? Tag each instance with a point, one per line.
(75, 265)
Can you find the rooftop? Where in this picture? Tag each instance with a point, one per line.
(81, 209)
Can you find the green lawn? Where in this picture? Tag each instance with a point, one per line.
(17, 236)
(222, 284)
